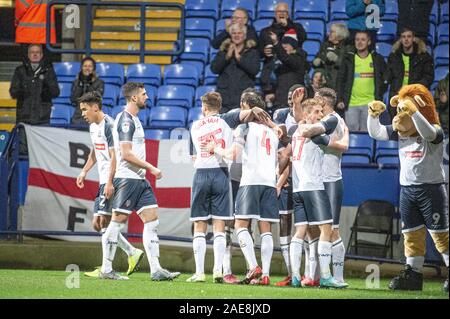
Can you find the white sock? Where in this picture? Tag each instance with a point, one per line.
(246, 243)
(324, 250)
(199, 247)
(219, 246)
(295, 254)
(445, 256)
(227, 261)
(313, 258)
(266, 252)
(109, 245)
(338, 256)
(284, 245)
(416, 262)
(306, 249)
(125, 245)
(151, 245)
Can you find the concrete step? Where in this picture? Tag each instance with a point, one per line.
(134, 36)
(134, 45)
(151, 13)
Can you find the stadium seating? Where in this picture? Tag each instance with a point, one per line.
(61, 114)
(202, 8)
(4, 137)
(391, 10)
(387, 31)
(220, 26)
(65, 90)
(360, 144)
(431, 38)
(146, 73)
(314, 28)
(388, 160)
(199, 66)
(175, 95)
(228, 6)
(338, 10)
(386, 149)
(210, 78)
(441, 55)
(143, 116)
(111, 73)
(311, 48)
(180, 133)
(165, 117)
(195, 49)
(212, 54)
(444, 13)
(310, 9)
(355, 159)
(434, 13)
(384, 49)
(266, 8)
(442, 33)
(116, 110)
(201, 90)
(110, 95)
(155, 134)
(199, 27)
(440, 72)
(194, 114)
(261, 24)
(183, 74)
(66, 71)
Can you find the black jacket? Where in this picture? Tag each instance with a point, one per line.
(34, 91)
(279, 30)
(346, 76)
(414, 14)
(80, 86)
(235, 76)
(222, 36)
(421, 67)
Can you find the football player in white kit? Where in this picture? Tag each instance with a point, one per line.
(133, 191)
(104, 155)
(311, 203)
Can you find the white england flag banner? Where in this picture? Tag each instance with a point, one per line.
(54, 202)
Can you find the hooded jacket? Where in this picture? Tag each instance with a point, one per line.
(81, 85)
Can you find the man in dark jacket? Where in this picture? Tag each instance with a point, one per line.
(34, 85)
(237, 64)
(408, 63)
(360, 81)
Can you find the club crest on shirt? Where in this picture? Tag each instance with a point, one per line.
(128, 203)
(419, 140)
(125, 127)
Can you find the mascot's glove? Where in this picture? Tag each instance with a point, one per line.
(376, 108)
(408, 107)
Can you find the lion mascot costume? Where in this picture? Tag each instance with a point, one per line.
(423, 195)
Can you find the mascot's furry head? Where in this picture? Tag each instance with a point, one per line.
(422, 98)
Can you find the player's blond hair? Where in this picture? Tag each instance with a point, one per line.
(309, 104)
(212, 100)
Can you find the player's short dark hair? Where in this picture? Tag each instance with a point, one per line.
(212, 100)
(365, 32)
(91, 98)
(407, 29)
(253, 99)
(131, 88)
(295, 87)
(329, 95)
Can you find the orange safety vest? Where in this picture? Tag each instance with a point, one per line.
(31, 21)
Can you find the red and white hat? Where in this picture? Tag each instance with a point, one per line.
(290, 37)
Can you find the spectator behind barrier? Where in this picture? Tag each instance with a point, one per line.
(415, 15)
(441, 100)
(86, 81)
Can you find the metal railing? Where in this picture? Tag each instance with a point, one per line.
(142, 52)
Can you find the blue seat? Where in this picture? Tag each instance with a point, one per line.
(431, 38)
(61, 114)
(194, 114)
(184, 74)
(311, 9)
(338, 10)
(24, 167)
(180, 133)
(440, 72)
(66, 71)
(315, 29)
(65, 90)
(220, 26)
(434, 13)
(199, 66)
(144, 115)
(210, 78)
(111, 95)
(355, 159)
(311, 48)
(201, 90)
(442, 33)
(155, 134)
(360, 144)
(166, 117)
(111, 73)
(145, 73)
(116, 110)
(261, 24)
(384, 49)
(266, 8)
(386, 148)
(391, 10)
(4, 137)
(389, 160)
(228, 6)
(212, 53)
(387, 30)
(199, 27)
(196, 49)
(202, 8)
(444, 13)
(175, 95)
(441, 55)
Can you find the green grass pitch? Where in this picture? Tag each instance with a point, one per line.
(52, 284)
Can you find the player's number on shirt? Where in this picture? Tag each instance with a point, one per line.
(436, 217)
(265, 142)
(209, 137)
(299, 141)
